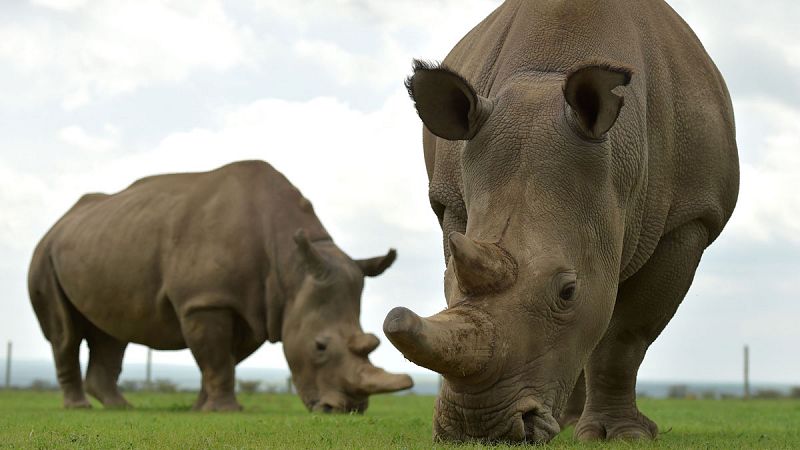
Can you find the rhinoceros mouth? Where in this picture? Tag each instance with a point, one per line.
(524, 421)
(349, 407)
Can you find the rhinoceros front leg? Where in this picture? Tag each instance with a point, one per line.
(202, 396)
(574, 409)
(209, 335)
(645, 304)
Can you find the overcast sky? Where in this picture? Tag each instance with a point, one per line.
(95, 94)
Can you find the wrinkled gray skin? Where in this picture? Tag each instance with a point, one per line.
(218, 262)
(581, 157)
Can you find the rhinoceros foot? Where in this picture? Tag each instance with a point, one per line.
(116, 403)
(594, 426)
(111, 398)
(218, 404)
(568, 419)
(79, 403)
(119, 403)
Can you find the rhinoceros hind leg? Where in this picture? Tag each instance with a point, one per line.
(68, 370)
(64, 327)
(645, 304)
(209, 335)
(105, 365)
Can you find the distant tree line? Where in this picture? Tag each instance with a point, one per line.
(166, 385)
(682, 391)
(676, 391)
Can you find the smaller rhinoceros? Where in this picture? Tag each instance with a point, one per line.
(218, 262)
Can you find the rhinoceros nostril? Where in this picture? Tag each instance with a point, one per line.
(326, 408)
(539, 428)
(528, 419)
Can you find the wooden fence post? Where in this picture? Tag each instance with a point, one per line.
(8, 366)
(746, 372)
(149, 370)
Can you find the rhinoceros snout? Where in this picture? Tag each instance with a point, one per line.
(350, 406)
(526, 421)
(540, 427)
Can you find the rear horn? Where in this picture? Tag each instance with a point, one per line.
(363, 344)
(480, 267)
(313, 260)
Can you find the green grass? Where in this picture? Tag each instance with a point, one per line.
(36, 420)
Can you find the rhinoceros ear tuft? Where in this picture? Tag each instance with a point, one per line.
(447, 104)
(372, 267)
(589, 92)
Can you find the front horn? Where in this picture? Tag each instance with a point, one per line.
(374, 380)
(480, 267)
(457, 342)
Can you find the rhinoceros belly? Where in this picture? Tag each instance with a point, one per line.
(119, 289)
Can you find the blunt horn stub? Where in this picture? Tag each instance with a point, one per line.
(457, 341)
(480, 267)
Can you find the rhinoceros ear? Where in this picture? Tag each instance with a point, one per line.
(446, 102)
(372, 267)
(589, 93)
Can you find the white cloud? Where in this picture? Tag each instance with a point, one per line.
(77, 137)
(377, 38)
(769, 204)
(756, 44)
(23, 196)
(119, 46)
(61, 5)
(100, 49)
(774, 21)
(349, 163)
(393, 15)
(348, 67)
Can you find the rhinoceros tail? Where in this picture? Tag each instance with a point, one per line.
(50, 303)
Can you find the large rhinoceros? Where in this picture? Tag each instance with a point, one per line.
(573, 224)
(218, 262)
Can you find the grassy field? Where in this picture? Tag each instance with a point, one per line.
(36, 420)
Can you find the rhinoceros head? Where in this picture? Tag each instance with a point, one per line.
(322, 338)
(534, 253)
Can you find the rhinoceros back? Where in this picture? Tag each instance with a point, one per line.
(133, 261)
(675, 138)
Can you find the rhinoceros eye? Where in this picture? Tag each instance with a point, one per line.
(321, 344)
(566, 284)
(567, 292)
